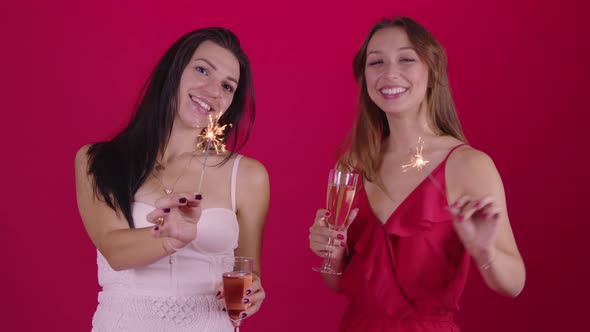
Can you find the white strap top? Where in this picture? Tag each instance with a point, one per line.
(197, 268)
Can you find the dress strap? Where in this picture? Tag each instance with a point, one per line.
(450, 152)
(234, 175)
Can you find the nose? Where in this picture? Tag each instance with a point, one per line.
(392, 70)
(213, 88)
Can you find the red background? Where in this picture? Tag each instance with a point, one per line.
(71, 71)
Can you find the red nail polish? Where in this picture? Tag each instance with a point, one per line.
(157, 228)
(167, 210)
(328, 213)
(182, 200)
(342, 244)
(478, 204)
(340, 237)
(198, 197)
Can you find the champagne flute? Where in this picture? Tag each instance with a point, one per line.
(341, 190)
(236, 280)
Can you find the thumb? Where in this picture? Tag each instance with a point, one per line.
(351, 217)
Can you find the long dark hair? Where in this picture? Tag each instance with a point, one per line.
(363, 144)
(121, 166)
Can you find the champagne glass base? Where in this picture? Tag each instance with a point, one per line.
(326, 270)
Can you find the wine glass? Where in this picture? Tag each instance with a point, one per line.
(341, 190)
(236, 280)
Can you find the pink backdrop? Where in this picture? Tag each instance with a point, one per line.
(71, 71)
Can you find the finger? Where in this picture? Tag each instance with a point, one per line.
(255, 306)
(154, 216)
(474, 207)
(173, 200)
(219, 293)
(490, 212)
(321, 217)
(254, 298)
(193, 199)
(456, 206)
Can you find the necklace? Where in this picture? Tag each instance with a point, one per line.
(169, 190)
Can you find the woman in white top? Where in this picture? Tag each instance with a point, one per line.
(161, 244)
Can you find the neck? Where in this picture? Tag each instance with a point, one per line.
(181, 142)
(405, 129)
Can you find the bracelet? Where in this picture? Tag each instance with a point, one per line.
(487, 265)
(168, 253)
(167, 242)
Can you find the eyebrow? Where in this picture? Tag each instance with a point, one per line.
(399, 49)
(229, 78)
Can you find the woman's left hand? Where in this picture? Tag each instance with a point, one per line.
(476, 222)
(253, 297)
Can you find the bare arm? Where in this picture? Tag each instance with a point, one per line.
(252, 195)
(478, 203)
(122, 247)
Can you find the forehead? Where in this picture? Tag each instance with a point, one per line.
(223, 59)
(390, 38)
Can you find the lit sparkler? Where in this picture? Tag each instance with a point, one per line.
(417, 161)
(211, 136)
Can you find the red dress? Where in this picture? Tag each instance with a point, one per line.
(408, 274)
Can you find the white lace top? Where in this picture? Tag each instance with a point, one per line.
(173, 297)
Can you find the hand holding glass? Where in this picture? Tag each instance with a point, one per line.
(341, 190)
(236, 281)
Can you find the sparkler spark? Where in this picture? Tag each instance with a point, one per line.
(417, 161)
(212, 135)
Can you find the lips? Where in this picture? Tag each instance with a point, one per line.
(202, 104)
(392, 92)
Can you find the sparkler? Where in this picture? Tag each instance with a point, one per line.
(418, 162)
(211, 136)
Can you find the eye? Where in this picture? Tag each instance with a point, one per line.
(407, 60)
(202, 70)
(228, 88)
(375, 63)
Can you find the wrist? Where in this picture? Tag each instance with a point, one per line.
(171, 245)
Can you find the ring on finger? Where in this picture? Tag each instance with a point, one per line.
(160, 221)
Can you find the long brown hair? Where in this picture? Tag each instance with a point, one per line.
(361, 150)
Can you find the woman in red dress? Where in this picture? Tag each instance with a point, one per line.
(406, 256)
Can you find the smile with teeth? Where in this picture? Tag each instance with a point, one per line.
(201, 103)
(393, 91)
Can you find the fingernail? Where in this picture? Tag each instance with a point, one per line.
(477, 204)
(495, 216)
(328, 213)
(218, 293)
(166, 210)
(224, 309)
(182, 200)
(198, 197)
(157, 228)
(340, 237)
(484, 215)
(342, 244)
(248, 292)
(244, 315)
(246, 301)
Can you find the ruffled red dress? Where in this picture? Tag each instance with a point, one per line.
(408, 274)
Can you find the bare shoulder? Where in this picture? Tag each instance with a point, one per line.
(471, 171)
(252, 172)
(81, 161)
(469, 162)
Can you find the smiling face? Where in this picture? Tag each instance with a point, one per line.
(207, 85)
(397, 79)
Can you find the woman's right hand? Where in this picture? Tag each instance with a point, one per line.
(176, 217)
(324, 241)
